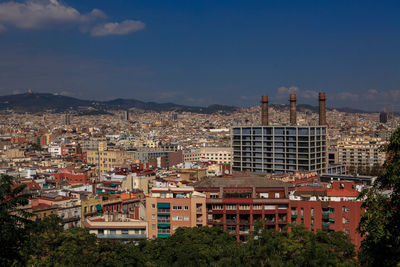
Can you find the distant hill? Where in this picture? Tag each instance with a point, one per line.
(305, 107)
(40, 102)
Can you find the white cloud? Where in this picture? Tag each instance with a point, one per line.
(116, 28)
(2, 28)
(395, 94)
(348, 96)
(45, 14)
(40, 14)
(285, 91)
(309, 94)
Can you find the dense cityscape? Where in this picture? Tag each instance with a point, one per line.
(199, 133)
(135, 175)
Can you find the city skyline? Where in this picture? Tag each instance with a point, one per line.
(203, 53)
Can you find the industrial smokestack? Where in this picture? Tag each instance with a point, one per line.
(293, 109)
(322, 109)
(264, 110)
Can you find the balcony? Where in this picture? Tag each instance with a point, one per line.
(121, 236)
(216, 221)
(71, 219)
(164, 231)
(163, 220)
(163, 210)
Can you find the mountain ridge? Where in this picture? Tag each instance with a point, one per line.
(40, 102)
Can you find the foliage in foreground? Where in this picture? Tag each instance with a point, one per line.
(49, 245)
(46, 243)
(380, 224)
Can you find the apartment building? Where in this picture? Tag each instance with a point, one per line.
(279, 149)
(106, 159)
(332, 208)
(117, 227)
(168, 208)
(361, 152)
(218, 154)
(237, 203)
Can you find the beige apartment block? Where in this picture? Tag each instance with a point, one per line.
(167, 209)
(117, 227)
(107, 159)
(361, 152)
(218, 154)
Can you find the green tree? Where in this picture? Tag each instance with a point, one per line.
(42, 237)
(75, 247)
(380, 224)
(12, 220)
(204, 246)
(298, 247)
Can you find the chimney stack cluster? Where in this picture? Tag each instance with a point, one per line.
(293, 111)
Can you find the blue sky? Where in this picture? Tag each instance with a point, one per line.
(204, 52)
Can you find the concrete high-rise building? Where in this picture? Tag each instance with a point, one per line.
(383, 117)
(66, 119)
(125, 115)
(281, 149)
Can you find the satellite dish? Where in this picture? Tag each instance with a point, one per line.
(226, 172)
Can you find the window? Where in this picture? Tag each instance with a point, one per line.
(100, 232)
(153, 226)
(153, 216)
(276, 195)
(124, 231)
(177, 218)
(186, 207)
(113, 231)
(186, 218)
(345, 220)
(177, 207)
(153, 206)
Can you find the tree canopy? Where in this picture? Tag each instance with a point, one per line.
(380, 224)
(12, 220)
